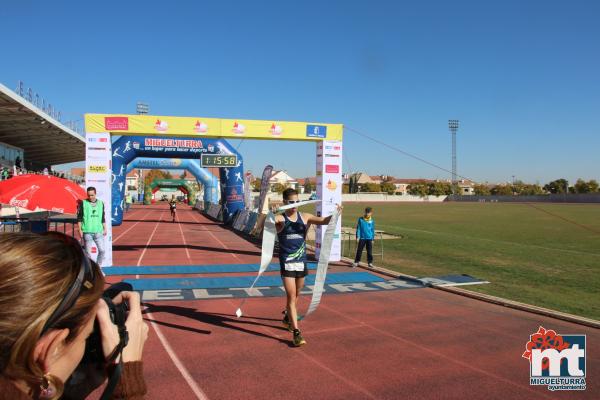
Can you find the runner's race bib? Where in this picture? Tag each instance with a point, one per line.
(294, 266)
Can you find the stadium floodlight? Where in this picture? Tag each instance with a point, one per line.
(453, 125)
(142, 108)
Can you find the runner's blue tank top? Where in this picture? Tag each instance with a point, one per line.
(292, 240)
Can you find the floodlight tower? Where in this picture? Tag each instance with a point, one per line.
(142, 108)
(453, 125)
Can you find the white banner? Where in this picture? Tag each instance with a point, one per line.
(98, 173)
(329, 190)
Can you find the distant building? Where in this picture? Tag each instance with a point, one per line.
(132, 179)
(282, 178)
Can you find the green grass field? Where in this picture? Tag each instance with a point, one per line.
(542, 254)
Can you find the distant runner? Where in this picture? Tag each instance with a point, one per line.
(291, 233)
(173, 208)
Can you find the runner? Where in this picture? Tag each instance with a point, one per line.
(173, 207)
(292, 227)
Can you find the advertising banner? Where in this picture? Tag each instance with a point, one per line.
(98, 174)
(122, 124)
(264, 187)
(329, 190)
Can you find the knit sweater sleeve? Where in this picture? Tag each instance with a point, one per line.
(131, 386)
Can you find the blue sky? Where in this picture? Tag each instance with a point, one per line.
(521, 76)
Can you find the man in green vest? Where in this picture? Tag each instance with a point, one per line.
(91, 224)
(128, 201)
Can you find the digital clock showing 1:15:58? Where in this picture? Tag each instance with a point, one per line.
(218, 160)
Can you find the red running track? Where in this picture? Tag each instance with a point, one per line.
(404, 344)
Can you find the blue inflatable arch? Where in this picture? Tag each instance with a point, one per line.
(208, 180)
(128, 148)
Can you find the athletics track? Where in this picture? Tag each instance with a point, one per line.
(366, 341)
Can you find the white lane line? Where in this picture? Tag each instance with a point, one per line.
(200, 395)
(187, 251)
(131, 227)
(217, 239)
(148, 242)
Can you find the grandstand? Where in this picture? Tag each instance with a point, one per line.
(31, 139)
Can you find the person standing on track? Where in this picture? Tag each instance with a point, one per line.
(365, 234)
(128, 201)
(173, 207)
(291, 233)
(91, 224)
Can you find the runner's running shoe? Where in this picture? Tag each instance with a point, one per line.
(298, 339)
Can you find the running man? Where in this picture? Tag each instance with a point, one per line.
(173, 207)
(91, 224)
(292, 227)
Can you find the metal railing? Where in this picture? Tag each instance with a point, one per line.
(350, 244)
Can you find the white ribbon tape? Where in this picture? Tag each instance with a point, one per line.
(323, 263)
(266, 255)
(296, 205)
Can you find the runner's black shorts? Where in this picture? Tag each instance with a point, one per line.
(292, 274)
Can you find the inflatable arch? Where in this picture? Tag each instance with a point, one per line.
(128, 148)
(179, 184)
(208, 180)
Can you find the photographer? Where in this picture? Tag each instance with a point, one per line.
(50, 299)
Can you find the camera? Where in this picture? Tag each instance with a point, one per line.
(92, 371)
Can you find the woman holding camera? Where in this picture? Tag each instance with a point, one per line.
(50, 297)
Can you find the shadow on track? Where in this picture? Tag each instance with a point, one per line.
(228, 321)
(134, 247)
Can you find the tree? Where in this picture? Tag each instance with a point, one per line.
(388, 187)
(155, 174)
(371, 187)
(557, 186)
(418, 189)
(256, 184)
(439, 189)
(502, 190)
(582, 186)
(279, 188)
(308, 187)
(481, 190)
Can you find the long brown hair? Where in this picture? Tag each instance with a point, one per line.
(36, 272)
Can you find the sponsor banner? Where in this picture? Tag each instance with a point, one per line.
(264, 187)
(234, 194)
(329, 190)
(98, 174)
(211, 127)
(247, 190)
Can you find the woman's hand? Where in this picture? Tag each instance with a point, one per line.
(136, 327)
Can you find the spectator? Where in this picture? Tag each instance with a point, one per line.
(45, 171)
(49, 300)
(128, 201)
(365, 234)
(5, 173)
(91, 224)
(18, 162)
